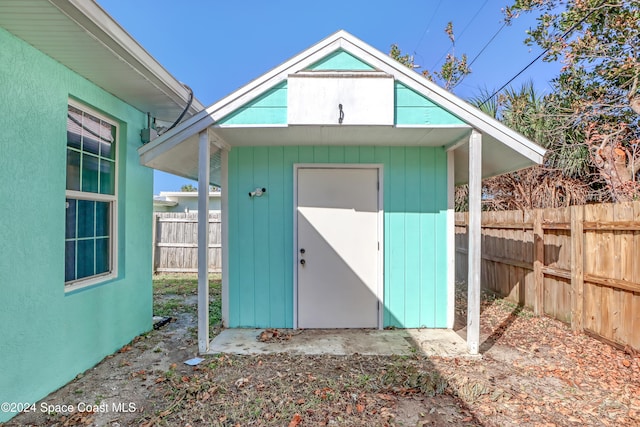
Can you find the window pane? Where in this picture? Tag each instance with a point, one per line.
(90, 134)
(102, 219)
(73, 170)
(86, 218)
(70, 229)
(89, 173)
(86, 258)
(102, 255)
(73, 139)
(107, 177)
(91, 169)
(107, 138)
(74, 127)
(69, 260)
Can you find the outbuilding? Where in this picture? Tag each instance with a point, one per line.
(337, 171)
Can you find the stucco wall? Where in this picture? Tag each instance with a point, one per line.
(48, 336)
(261, 232)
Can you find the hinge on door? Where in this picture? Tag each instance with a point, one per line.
(378, 185)
(378, 245)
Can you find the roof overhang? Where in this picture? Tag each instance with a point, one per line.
(164, 203)
(504, 150)
(83, 37)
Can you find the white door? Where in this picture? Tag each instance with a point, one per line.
(337, 221)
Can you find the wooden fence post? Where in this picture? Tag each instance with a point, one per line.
(577, 267)
(538, 262)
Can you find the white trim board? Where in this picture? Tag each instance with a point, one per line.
(381, 62)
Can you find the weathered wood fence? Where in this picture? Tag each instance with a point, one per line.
(175, 242)
(579, 264)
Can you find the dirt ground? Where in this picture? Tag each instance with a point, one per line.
(534, 372)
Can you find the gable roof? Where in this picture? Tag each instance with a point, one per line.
(504, 150)
(82, 36)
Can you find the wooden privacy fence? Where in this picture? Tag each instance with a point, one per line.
(579, 264)
(175, 242)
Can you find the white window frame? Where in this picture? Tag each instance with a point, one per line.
(113, 210)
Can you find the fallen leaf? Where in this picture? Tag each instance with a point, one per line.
(297, 419)
(385, 397)
(241, 382)
(349, 409)
(360, 407)
(626, 363)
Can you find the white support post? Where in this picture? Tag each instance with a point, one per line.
(204, 163)
(475, 241)
(224, 169)
(451, 241)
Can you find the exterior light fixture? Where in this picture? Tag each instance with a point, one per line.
(257, 192)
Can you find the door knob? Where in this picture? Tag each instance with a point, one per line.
(302, 251)
(302, 262)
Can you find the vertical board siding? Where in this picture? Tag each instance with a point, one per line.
(261, 259)
(341, 60)
(268, 108)
(411, 235)
(261, 223)
(248, 245)
(276, 237)
(395, 236)
(439, 172)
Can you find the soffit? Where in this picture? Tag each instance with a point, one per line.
(83, 37)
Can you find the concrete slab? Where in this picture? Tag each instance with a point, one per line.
(431, 342)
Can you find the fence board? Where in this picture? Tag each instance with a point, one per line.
(595, 286)
(175, 242)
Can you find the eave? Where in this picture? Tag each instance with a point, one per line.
(83, 37)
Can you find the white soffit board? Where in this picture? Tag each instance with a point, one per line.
(365, 98)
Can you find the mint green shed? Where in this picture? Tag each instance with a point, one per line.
(337, 171)
(75, 235)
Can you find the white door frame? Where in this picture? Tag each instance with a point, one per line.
(380, 260)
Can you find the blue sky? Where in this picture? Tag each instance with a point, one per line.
(216, 47)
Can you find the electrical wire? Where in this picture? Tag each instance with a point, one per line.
(565, 34)
(483, 49)
(428, 25)
(473, 18)
(487, 44)
(183, 111)
(462, 32)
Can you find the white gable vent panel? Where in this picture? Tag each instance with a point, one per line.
(353, 98)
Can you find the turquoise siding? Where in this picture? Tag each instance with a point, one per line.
(413, 108)
(261, 258)
(269, 108)
(71, 332)
(341, 60)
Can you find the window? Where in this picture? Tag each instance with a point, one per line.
(90, 197)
